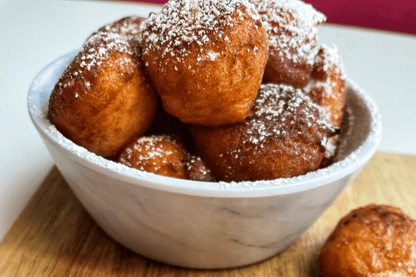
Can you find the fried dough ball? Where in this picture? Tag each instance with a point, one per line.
(156, 154)
(327, 85)
(166, 124)
(162, 155)
(206, 59)
(327, 89)
(291, 26)
(198, 170)
(374, 240)
(103, 99)
(127, 26)
(284, 136)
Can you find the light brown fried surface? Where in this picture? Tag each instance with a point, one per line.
(282, 137)
(371, 241)
(327, 85)
(198, 170)
(156, 154)
(206, 59)
(103, 99)
(163, 155)
(126, 26)
(327, 89)
(291, 27)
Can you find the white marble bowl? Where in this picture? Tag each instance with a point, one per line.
(201, 224)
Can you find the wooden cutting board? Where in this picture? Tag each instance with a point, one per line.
(55, 236)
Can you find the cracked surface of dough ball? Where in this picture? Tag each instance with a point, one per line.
(206, 59)
(283, 136)
(292, 29)
(162, 155)
(375, 240)
(103, 98)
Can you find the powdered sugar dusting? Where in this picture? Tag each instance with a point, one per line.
(87, 155)
(182, 22)
(346, 156)
(126, 26)
(291, 25)
(281, 114)
(212, 55)
(36, 111)
(191, 163)
(97, 49)
(150, 148)
(281, 109)
(352, 158)
(197, 170)
(328, 77)
(330, 59)
(93, 53)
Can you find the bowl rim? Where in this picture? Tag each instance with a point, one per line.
(263, 188)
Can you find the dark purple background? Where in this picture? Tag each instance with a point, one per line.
(391, 15)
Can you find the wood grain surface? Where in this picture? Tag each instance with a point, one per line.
(55, 236)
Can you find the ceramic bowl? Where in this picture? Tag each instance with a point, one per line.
(203, 224)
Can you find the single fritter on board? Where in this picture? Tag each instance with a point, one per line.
(103, 99)
(284, 135)
(162, 155)
(292, 29)
(206, 59)
(375, 240)
(327, 89)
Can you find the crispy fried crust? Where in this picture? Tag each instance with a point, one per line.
(103, 99)
(291, 27)
(327, 89)
(327, 85)
(282, 137)
(126, 26)
(198, 170)
(371, 241)
(162, 155)
(206, 73)
(156, 154)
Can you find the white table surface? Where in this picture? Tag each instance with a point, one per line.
(34, 33)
